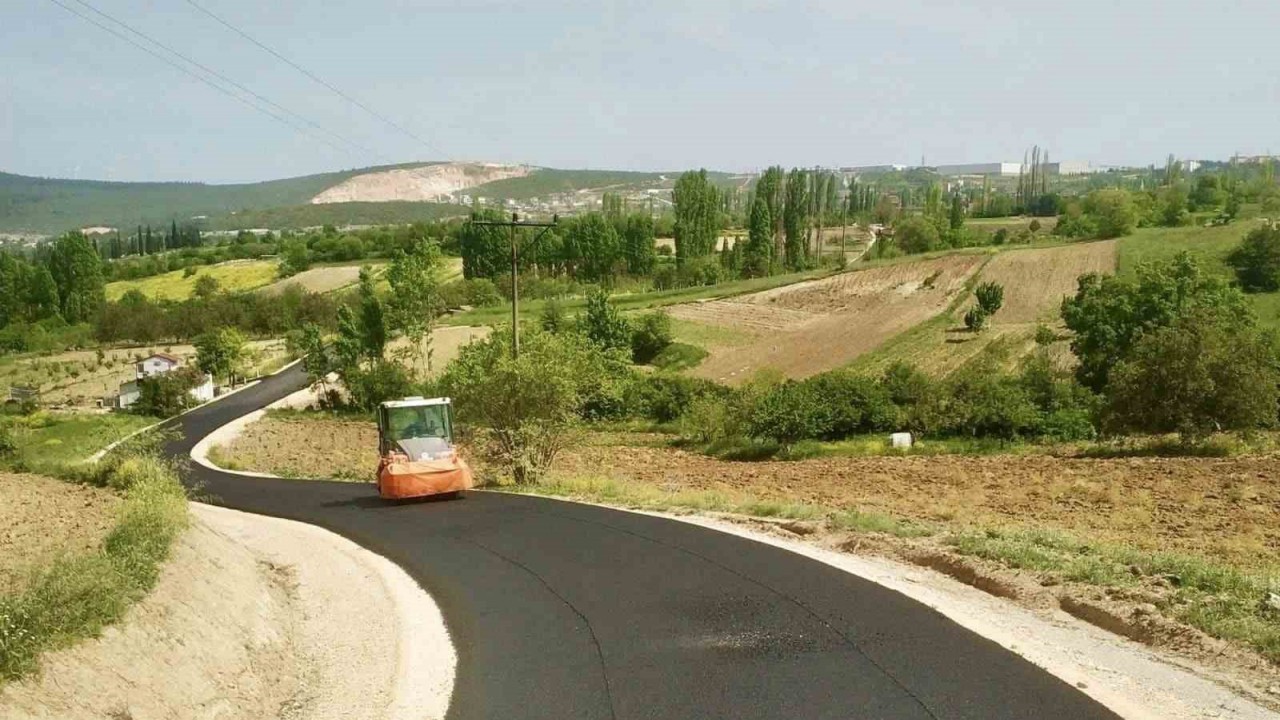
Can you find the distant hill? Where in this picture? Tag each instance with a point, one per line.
(51, 206)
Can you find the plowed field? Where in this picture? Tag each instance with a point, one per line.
(823, 324)
(1035, 281)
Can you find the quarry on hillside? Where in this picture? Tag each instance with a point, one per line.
(429, 183)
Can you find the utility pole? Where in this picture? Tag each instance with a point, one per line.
(514, 223)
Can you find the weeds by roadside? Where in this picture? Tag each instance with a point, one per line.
(76, 597)
(1224, 602)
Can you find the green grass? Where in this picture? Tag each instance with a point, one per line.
(705, 334)
(679, 356)
(74, 598)
(1208, 244)
(1223, 601)
(47, 442)
(649, 497)
(232, 276)
(497, 314)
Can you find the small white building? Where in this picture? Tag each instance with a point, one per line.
(159, 364)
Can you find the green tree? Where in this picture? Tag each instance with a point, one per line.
(757, 256)
(362, 332)
(219, 352)
(916, 235)
(206, 286)
(485, 250)
(637, 244)
(604, 325)
(523, 412)
(415, 300)
(1172, 204)
(990, 297)
(294, 257)
(1108, 315)
(795, 220)
(166, 394)
(956, 217)
(771, 187)
(698, 217)
(594, 240)
(1256, 260)
(77, 271)
(1203, 373)
(42, 294)
(651, 335)
(1114, 212)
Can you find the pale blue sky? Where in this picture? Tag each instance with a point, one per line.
(656, 85)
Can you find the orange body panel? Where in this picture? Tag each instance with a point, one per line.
(399, 479)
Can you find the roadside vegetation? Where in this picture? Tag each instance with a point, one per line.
(73, 597)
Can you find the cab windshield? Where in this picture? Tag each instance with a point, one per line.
(406, 423)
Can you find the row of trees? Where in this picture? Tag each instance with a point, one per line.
(64, 280)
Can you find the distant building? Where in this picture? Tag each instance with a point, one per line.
(157, 364)
(871, 169)
(996, 169)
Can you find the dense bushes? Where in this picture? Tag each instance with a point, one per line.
(1256, 260)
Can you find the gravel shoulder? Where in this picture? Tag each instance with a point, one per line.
(252, 618)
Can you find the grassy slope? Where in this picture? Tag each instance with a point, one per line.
(236, 275)
(1210, 245)
(47, 442)
(637, 301)
(51, 205)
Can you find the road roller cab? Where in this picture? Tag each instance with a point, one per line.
(417, 454)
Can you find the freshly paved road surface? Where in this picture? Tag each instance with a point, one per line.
(562, 611)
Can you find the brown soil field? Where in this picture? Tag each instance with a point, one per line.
(1035, 281)
(42, 518)
(307, 446)
(824, 324)
(1221, 508)
(446, 343)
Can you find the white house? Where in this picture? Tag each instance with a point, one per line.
(159, 364)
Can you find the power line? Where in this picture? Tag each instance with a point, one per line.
(430, 146)
(210, 71)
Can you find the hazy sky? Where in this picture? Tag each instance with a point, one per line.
(653, 85)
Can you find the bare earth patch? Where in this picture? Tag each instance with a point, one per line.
(305, 447)
(1035, 281)
(1222, 508)
(42, 518)
(318, 280)
(824, 324)
(432, 183)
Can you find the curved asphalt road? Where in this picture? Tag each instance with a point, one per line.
(560, 610)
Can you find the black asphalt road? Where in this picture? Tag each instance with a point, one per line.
(560, 610)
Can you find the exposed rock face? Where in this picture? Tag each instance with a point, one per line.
(431, 183)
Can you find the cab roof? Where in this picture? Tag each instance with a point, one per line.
(417, 402)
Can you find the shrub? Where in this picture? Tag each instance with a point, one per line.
(167, 394)
(851, 405)
(524, 410)
(8, 444)
(650, 335)
(552, 318)
(711, 418)
(1206, 372)
(1256, 260)
(604, 325)
(990, 297)
(381, 381)
(663, 397)
(679, 356)
(975, 318)
(1034, 226)
(1045, 335)
(916, 235)
(787, 414)
(189, 271)
(1000, 237)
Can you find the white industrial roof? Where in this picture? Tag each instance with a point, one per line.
(416, 402)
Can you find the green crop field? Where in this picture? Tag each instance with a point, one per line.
(235, 275)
